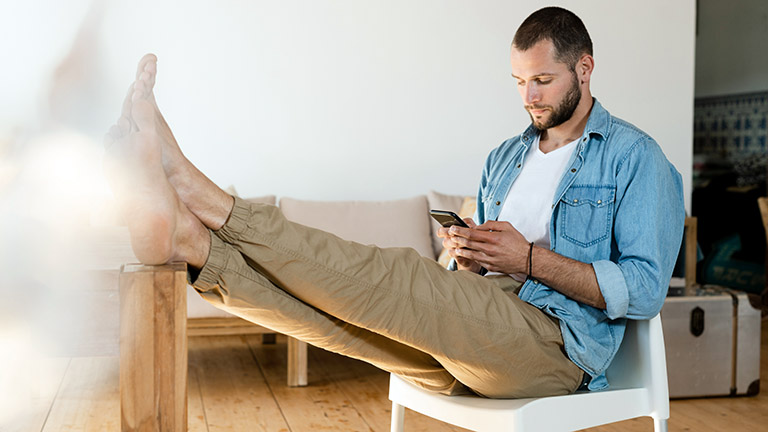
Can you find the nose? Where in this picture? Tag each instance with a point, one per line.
(530, 93)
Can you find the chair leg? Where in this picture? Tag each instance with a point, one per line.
(660, 425)
(398, 417)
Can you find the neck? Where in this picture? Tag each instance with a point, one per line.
(569, 131)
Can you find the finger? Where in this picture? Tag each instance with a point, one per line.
(442, 232)
(459, 231)
(470, 222)
(448, 243)
(471, 234)
(471, 254)
(494, 226)
(487, 249)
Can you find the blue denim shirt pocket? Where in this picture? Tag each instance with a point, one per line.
(586, 213)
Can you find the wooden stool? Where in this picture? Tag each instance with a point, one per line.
(153, 348)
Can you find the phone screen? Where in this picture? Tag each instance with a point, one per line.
(447, 218)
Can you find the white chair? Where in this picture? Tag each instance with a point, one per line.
(638, 379)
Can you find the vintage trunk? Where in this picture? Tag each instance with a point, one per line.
(713, 343)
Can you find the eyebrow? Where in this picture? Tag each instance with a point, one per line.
(544, 74)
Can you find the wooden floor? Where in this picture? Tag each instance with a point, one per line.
(238, 384)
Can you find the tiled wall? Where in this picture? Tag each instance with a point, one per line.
(730, 135)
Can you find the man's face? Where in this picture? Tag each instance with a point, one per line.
(549, 89)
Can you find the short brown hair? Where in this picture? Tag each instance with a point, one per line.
(561, 26)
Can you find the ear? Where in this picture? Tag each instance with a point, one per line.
(584, 68)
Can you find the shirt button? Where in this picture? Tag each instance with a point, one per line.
(599, 201)
(573, 170)
(535, 282)
(519, 165)
(498, 202)
(575, 200)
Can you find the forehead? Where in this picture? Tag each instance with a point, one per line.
(537, 60)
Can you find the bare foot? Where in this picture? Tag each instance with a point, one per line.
(162, 228)
(206, 200)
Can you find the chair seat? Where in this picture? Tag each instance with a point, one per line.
(583, 409)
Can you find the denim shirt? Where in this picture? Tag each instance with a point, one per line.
(619, 206)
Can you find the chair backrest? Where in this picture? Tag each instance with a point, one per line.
(641, 363)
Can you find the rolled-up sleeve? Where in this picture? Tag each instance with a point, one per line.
(647, 233)
(613, 287)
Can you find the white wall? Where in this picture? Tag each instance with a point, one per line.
(732, 47)
(345, 99)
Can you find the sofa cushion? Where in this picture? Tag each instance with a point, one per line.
(396, 223)
(467, 209)
(439, 201)
(266, 199)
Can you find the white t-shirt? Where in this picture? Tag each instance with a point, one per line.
(528, 205)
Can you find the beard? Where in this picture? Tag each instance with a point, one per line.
(563, 112)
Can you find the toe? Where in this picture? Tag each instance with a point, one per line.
(146, 60)
(143, 114)
(127, 103)
(151, 70)
(115, 132)
(124, 124)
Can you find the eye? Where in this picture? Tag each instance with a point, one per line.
(544, 82)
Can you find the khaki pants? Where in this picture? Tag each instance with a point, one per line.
(449, 332)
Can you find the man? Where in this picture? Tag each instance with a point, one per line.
(581, 219)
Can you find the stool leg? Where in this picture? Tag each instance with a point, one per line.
(153, 348)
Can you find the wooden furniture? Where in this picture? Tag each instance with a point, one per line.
(297, 350)
(153, 348)
(762, 203)
(691, 254)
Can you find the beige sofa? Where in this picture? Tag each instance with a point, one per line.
(393, 223)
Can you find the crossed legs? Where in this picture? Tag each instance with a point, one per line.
(445, 331)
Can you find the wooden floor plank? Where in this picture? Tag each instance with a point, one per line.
(319, 406)
(44, 379)
(89, 398)
(235, 395)
(196, 420)
(238, 384)
(367, 387)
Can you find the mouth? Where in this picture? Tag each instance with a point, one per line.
(537, 112)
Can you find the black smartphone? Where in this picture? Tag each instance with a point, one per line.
(447, 218)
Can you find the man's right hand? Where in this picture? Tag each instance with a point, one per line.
(452, 246)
